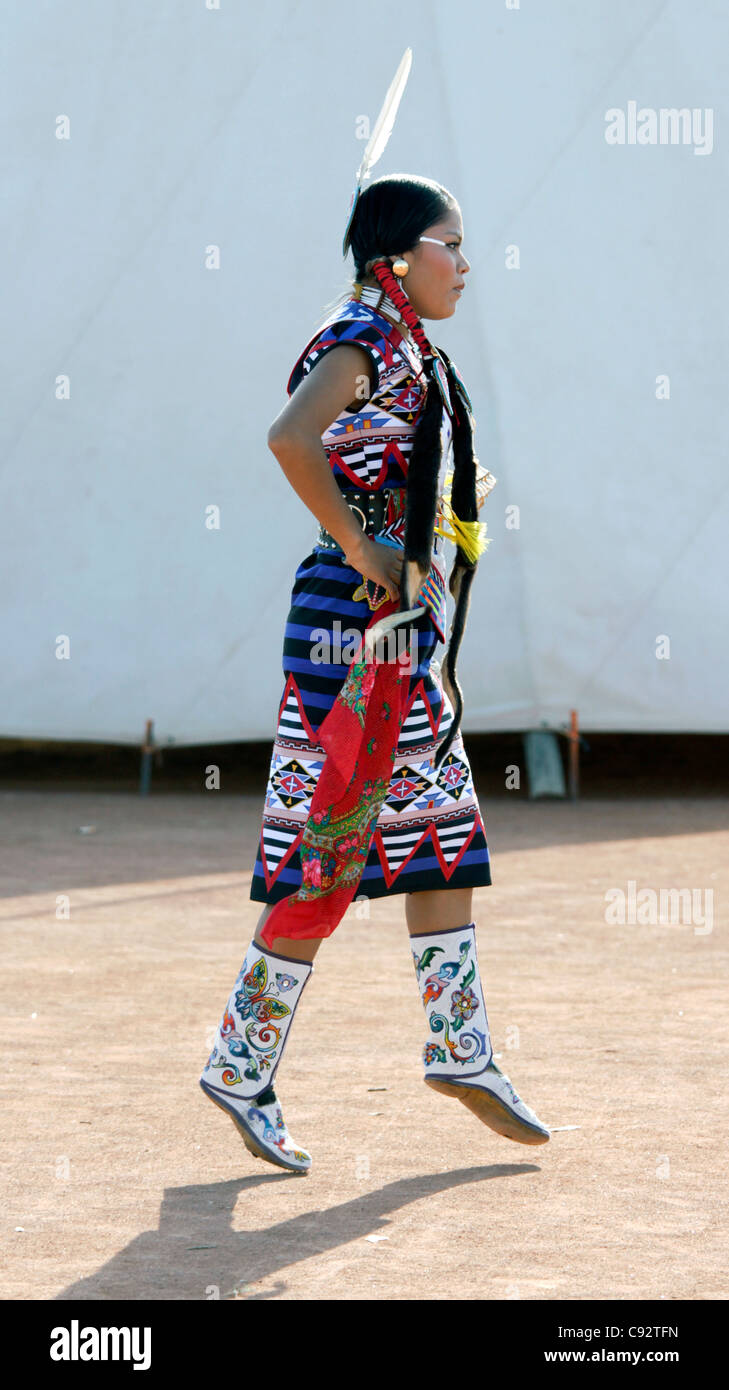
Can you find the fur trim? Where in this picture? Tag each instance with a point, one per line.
(462, 593)
(423, 469)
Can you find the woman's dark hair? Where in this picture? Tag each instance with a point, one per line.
(391, 213)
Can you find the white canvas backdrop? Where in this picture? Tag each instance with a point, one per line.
(236, 128)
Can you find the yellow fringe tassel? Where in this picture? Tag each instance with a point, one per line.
(470, 535)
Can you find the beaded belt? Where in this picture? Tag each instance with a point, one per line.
(370, 508)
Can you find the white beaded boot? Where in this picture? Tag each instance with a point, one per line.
(239, 1072)
(458, 1056)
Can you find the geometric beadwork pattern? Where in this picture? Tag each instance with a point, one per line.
(454, 776)
(291, 783)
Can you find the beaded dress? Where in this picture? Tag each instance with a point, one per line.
(429, 832)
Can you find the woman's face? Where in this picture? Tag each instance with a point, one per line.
(435, 278)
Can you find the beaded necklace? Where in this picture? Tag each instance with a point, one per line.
(376, 298)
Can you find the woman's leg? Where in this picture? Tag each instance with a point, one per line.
(249, 1043)
(286, 945)
(438, 910)
(434, 911)
(458, 1055)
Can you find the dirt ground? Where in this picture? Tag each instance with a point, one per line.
(127, 1183)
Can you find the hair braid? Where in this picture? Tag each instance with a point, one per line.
(394, 289)
(421, 503)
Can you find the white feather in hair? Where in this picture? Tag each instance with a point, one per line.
(383, 129)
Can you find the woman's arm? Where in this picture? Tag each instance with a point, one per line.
(342, 378)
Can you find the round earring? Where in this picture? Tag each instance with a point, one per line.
(399, 266)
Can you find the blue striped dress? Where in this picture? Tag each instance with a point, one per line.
(429, 833)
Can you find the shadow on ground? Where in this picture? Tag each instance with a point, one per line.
(196, 1254)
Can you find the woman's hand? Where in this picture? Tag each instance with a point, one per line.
(380, 563)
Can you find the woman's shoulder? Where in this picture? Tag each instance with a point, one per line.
(349, 323)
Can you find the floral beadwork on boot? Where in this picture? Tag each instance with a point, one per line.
(256, 1003)
(248, 1046)
(458, 1055)
(474, 1044)
(463, 1004)
(230, 1075)
(435, 984)
(456, 1015)
(252, 1032)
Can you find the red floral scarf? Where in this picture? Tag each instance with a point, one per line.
(360, 736)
